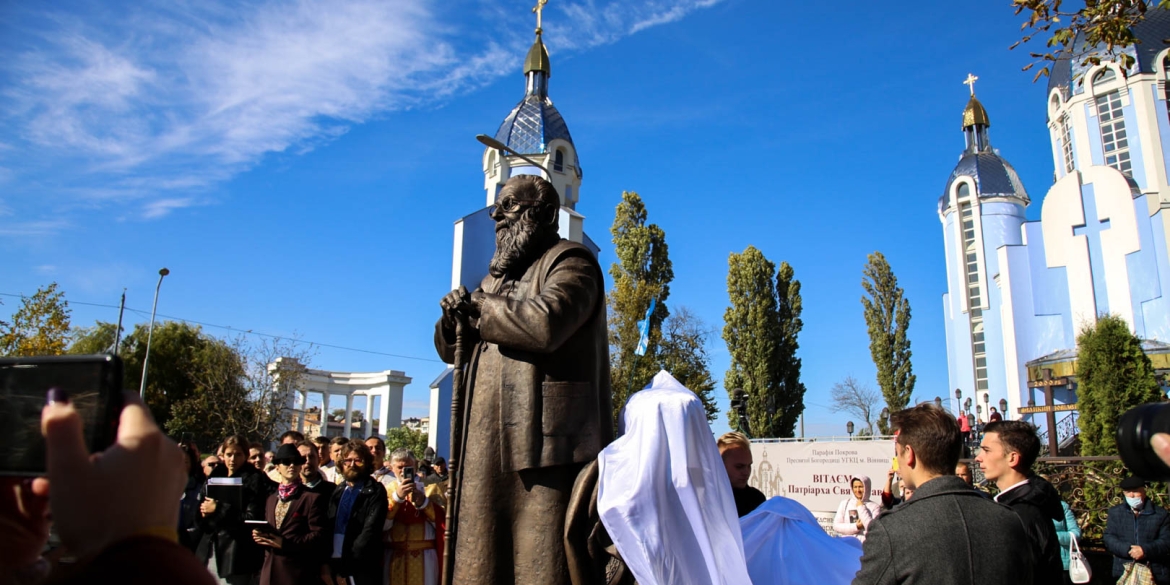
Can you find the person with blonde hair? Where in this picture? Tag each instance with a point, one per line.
(736, 451)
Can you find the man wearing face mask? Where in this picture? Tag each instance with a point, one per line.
(1138, 531)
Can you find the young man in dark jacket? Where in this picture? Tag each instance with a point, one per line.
(357, 514)
(1138, 531)
(1006, 455)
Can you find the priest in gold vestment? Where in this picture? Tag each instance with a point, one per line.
(414, 539)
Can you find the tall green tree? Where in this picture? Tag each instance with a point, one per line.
(96, 339)
(887, 316)
(761, 327)
(404, 438)
(39, 327)
(641, 274)
(684, 354)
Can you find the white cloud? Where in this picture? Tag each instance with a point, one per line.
(151, 101)
(33, 228)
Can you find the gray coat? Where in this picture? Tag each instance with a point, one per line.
(947, 534)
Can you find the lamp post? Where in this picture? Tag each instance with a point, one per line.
(938, 401)
(496, 144)
(739, 406)
(885, 416)
(1003, 406)
(150, 332)
(958, 401)
(849, 429)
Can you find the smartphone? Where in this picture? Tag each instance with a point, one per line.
(407, 472)
(94, 386)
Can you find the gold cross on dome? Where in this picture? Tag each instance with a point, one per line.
(537, 10)
(970, 82)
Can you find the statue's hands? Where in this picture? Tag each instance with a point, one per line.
(456, 303)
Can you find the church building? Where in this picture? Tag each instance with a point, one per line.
(535, 140)
(1019, 291)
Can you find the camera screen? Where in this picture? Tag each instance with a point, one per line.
(23, 387)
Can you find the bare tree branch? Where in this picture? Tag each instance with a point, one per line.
(857, 399)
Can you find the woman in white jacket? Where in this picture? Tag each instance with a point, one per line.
(854, 514)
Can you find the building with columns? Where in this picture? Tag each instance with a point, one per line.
(534, 128)
(1019, 291)
(382, 392)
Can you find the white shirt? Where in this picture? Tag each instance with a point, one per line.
(1010, 488)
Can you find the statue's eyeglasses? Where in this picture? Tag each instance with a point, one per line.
(512, 206)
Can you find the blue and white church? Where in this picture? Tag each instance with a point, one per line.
(536, 131)
(1019, 291)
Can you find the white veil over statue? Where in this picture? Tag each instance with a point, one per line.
(663, 493)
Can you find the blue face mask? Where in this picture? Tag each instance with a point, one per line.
(1135, 503)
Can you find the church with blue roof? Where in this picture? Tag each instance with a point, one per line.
(1019, 291)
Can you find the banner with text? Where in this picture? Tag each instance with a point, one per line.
(817, 473)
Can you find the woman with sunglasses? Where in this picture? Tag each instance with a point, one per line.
(295, 538)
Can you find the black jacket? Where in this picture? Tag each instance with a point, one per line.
(1149, 530)
(1038, 505)
(361, 551)
(224, 531)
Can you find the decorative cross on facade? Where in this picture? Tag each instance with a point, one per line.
(1092, 229)
(970, 82)
(538, 9)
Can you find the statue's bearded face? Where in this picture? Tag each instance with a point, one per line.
(523, 231)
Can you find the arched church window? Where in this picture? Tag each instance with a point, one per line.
(1114, 139)
(559, 161)
(1104, 76)
(964, 190)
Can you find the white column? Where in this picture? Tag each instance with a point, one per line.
(304, 407)
(384, 413)
(324, 430)
(367, 424)
(348, 416)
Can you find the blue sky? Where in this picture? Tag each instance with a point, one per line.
(298, 166)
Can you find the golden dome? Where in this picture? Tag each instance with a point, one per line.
(537, 59)
(975, 114)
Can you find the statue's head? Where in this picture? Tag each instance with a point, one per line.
(526, 214)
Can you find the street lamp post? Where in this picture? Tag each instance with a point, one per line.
(958, 401)
(739, 406)
(938, 401)
(1003, 406)
(849, 429)
(150, 332)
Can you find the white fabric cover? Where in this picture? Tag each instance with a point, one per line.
(663, 492)
(785, 546)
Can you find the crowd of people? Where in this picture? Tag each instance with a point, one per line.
(344, 511)
(329, 510)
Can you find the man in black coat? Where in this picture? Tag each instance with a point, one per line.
(357, 514)
(1006, 454)
(1138, 531)
(947, 534)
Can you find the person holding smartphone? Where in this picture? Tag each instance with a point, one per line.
(294, 534)
(237, 556)
(416, 518)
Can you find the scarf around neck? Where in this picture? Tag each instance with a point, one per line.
(288, 491)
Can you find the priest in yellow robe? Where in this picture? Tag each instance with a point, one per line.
(414, 539)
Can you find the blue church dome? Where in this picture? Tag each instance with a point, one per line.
(535, 121)
(993, 176)
(1067, 73)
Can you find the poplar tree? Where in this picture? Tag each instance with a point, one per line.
(887, 316)
(676, 343)
(641, 274)
(39, 327)
(761, 327)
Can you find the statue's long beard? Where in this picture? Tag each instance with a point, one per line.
(517, 245)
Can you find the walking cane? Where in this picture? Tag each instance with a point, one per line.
(453, 472)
